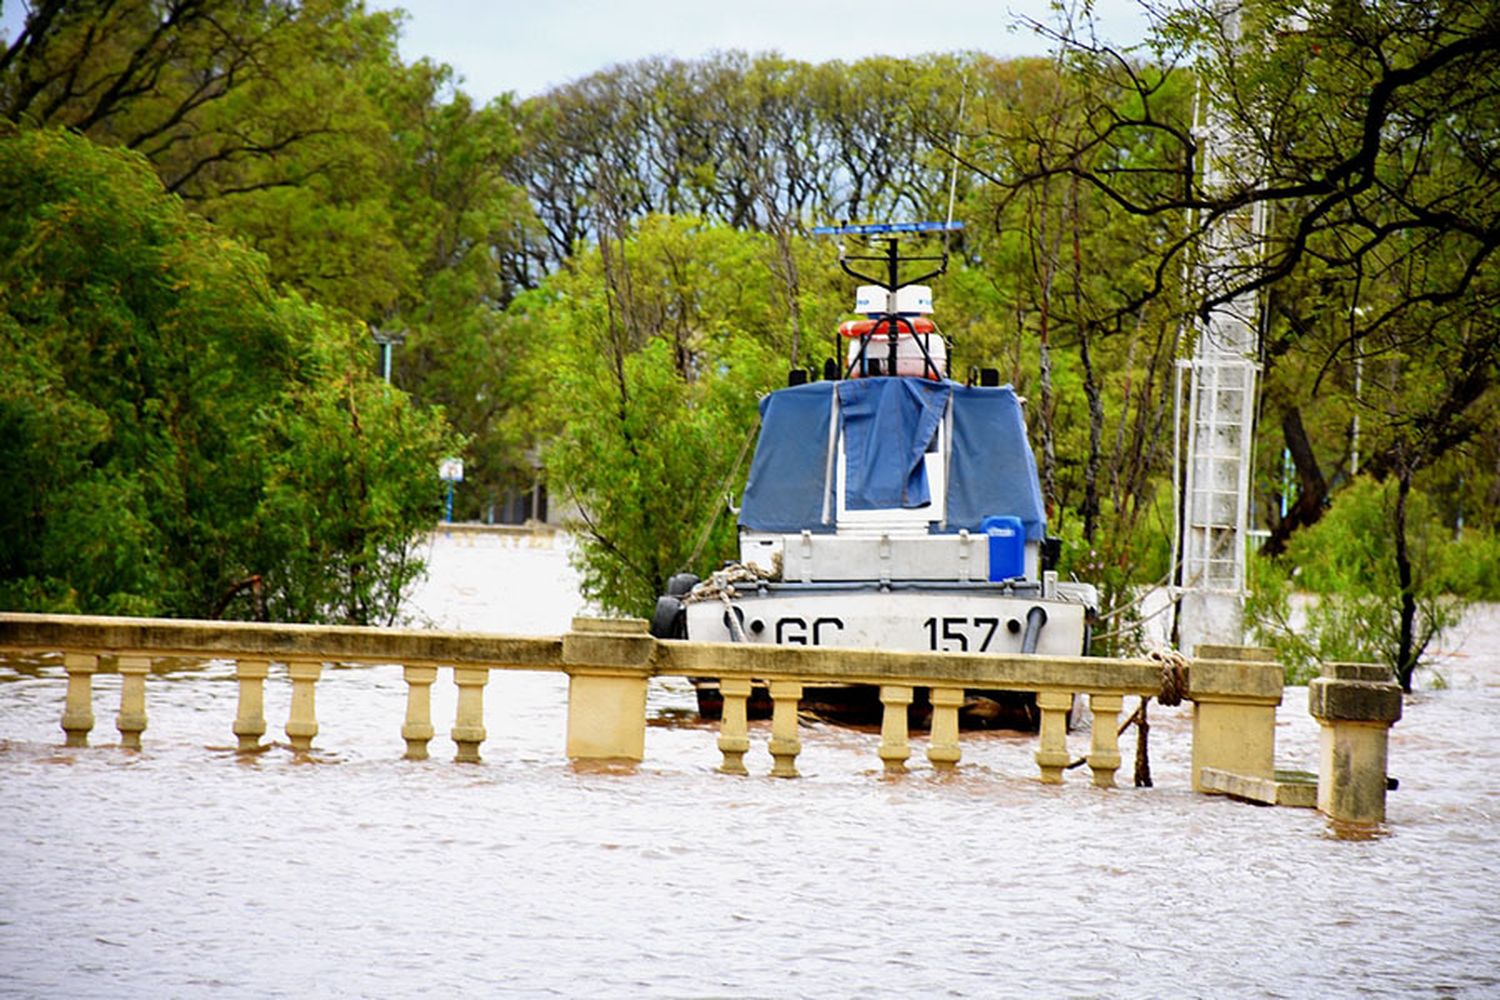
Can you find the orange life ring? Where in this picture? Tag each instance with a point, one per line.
(902, 324)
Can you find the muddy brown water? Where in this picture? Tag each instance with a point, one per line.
(185, 870)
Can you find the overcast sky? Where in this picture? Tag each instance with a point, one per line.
(526, 47)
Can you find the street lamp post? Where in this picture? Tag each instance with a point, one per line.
(386, 339)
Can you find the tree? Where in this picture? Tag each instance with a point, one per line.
(374, 188)
(648, 354)
(1365, 130)
(163, 411)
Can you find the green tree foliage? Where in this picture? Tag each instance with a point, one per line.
(461, 220)
(374, 188)
(1365, 132)
(648, 354)
(1346, 566)
(171, 427)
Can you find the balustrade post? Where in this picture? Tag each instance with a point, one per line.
(468, 725)
(1355, 705)
(131, 721)
(734, 728)
(785, 743)
(943, 751)
(78, 710)
(417, 730)
(250, 717)
(1104, 748)
(302, 720)
(1052, 753)
(895, 743)
(609, 664)
(1235, 691)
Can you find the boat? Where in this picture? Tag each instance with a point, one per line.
(890, 507)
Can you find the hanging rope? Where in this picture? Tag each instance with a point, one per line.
(723, 490)
(1174, 686)
(1174, 675)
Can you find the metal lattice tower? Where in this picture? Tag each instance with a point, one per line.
(1223, 376)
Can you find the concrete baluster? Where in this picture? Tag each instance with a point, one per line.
(417, 730)
(785, 743)
(734, 729)
(1355, 705)
(468, 725)
(131, 721)
(302, 720)
(895, 745)
(78, 710)
(250, 717)
(1052, 753)
(942, 739)
(1104, 748)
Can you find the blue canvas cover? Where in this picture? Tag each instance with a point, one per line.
(788, 476)
(887, 425)
(991, 467)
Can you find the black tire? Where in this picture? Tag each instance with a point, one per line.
(681, 583)
(670, 619)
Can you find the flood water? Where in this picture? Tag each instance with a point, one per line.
(185, 870)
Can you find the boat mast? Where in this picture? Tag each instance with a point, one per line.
(891, 323)
(1224, 370)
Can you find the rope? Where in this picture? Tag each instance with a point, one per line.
(1143, 738)
(1141, 595)
(720, 583)
(723, 489)
(1100, 637)
(1174, 675)
(720, 587)
(1174, 686)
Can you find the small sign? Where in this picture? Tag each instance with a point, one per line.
(451, 470)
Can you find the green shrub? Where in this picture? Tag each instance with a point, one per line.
(1345, 569)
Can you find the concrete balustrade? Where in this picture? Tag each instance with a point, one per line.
(1235, 691)
(1355, 705)
(1104, 751)
(610, 662)
(468, 722)
(78, 713)
(785, 744)
(250, 716)
(1052, 755)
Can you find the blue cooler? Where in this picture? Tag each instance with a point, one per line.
(1007, 547)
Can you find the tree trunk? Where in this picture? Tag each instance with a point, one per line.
(1312, 492)
(1406, 655)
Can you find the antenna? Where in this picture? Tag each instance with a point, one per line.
(957, 139)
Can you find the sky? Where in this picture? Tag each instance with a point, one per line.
(527, 47)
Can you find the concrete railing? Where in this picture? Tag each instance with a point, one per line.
(610, 662)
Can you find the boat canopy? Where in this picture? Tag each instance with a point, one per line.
(887, 425)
